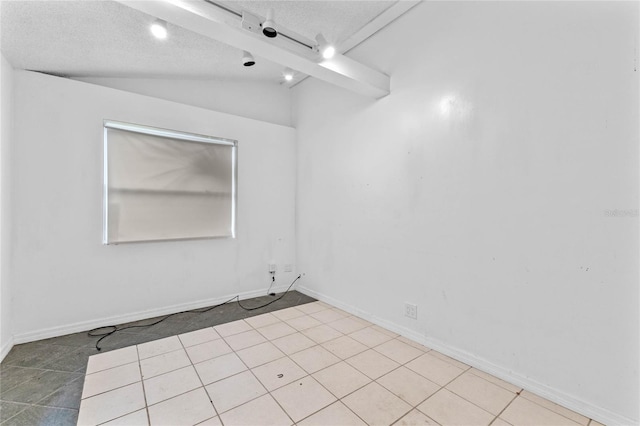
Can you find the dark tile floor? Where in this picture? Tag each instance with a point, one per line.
(41, 382)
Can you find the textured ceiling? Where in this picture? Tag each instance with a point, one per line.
(107, 39)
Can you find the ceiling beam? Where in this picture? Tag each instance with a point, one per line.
(212, 22)
(389, 15)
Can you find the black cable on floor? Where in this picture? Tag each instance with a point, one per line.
(113, 328)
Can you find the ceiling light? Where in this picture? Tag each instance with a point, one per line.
(324, 47)
(268, 26)
(247, 59)
(288, 74)
(159, 29)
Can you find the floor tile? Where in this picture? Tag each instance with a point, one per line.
(303, 322)
(347, 325)
(125, 339)
(111, 405)
(35, 355)
(303, 398)
(214, 421)
(276, 330)
(500, 422)
(448, 408)
(232, 328)
(171, 384)
(344, 347)
(137, 418)
(234, 391)
(385, 331)
(328, 315)
(434, 369)
(372, 363)
(75, 361)
(415, 418)
(413, 343)
(322, 333)
(187, 409)
(398, 351)
(493, 379)
(293, 343)
(278, 373)
(12, 376)
(39, 387)
(454, 362)
(10, 409)
(218, 368)
(288, 313)
(164, 363)
(314, 358)
(260, 354)
(341, 379)
(578, 418)
(369, 337)
(263, 411)
(208, 350)
(67, 396)
(484, 394)
(335, 414)
(75, 339)
(311, 308)
(158, 347)
(409, 386)
(376, 405)
(523, 412)
(69, 354)
(198, 336)
(112, 359)
(113, 378)
(262, 320)
(244, 340)
(38, 415)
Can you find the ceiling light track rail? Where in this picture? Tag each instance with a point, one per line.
(285, 33)
(225, 8)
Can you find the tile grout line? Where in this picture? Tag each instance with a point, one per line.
(503, 410)
(144, 392)
(215, 410)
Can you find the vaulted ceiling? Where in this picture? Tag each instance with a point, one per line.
(110, 39)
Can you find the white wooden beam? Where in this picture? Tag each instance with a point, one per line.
(389, 15)
(209, 21)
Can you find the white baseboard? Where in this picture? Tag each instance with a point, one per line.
(578, 405)
(6, 348)
(136, 316)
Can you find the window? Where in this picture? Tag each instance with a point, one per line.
(167, 185)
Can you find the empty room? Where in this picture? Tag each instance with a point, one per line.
(319, 212)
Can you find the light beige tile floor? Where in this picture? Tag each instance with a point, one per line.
(309, 365)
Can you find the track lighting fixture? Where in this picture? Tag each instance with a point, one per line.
(288, 74)
(269, 26)
(159, 29)
(324, 47)
(247, 59)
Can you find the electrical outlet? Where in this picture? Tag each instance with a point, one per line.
(272, 268)
(411, 310)
(288, 267)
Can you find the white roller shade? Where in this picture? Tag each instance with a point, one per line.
(165, 185)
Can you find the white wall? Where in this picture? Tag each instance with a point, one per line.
(252, 99)
(6, 113)
(481, 190)
(63, 278)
